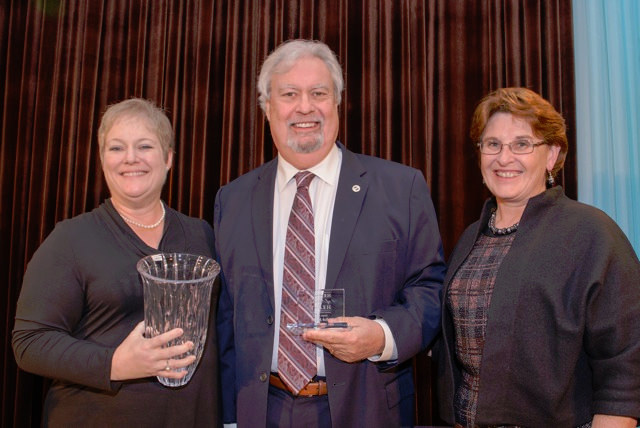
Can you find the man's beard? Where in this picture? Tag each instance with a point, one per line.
(306, 143)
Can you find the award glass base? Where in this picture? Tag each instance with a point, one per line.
(328, 304)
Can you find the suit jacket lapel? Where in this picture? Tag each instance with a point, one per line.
(352, 188)
(262, 222)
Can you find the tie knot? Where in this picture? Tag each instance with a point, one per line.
(303, 178)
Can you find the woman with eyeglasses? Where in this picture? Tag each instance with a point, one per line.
(542, 294)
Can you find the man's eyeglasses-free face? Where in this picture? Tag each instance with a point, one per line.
(521, 146)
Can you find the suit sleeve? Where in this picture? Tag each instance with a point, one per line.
(225, 330)
(414, 316)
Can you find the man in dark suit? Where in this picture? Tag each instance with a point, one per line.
(376, 237)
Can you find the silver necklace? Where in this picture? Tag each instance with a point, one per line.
(502, 231)
(145, 226)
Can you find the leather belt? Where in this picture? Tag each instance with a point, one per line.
(312, 389)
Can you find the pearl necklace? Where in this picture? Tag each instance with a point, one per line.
(145, 226)
(504, 230)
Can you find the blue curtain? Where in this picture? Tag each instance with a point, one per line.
(607, 67)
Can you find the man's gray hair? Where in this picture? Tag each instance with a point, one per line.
(284, 57)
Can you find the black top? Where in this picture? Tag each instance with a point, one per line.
(80, 298)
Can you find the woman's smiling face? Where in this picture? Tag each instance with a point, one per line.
(514, 179)
(133, 162)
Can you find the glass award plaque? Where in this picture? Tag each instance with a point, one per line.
(328, 303)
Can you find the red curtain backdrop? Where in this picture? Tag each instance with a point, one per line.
(414, 72)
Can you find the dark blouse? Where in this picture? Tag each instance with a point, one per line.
(468, 299)
(80, 298)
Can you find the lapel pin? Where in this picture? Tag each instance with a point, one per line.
(355, 188)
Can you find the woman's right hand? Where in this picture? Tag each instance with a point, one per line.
(138, 357)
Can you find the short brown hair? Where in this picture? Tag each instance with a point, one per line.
(525, 104)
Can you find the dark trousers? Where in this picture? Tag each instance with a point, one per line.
(287, 411)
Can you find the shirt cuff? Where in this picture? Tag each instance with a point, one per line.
(232, 425)
(390, 351)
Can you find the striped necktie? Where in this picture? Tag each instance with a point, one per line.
(297, 357)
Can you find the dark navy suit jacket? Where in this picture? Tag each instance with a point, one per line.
(385, 251)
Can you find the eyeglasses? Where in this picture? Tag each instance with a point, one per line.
(521, 146)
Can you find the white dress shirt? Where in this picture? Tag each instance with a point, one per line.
(322, 191)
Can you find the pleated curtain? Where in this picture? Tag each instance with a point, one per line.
(414, 71)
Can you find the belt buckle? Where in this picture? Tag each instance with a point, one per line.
(312, 388)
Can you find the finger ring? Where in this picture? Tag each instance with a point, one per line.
(167, 367)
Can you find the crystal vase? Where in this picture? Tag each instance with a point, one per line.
(177, 294)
